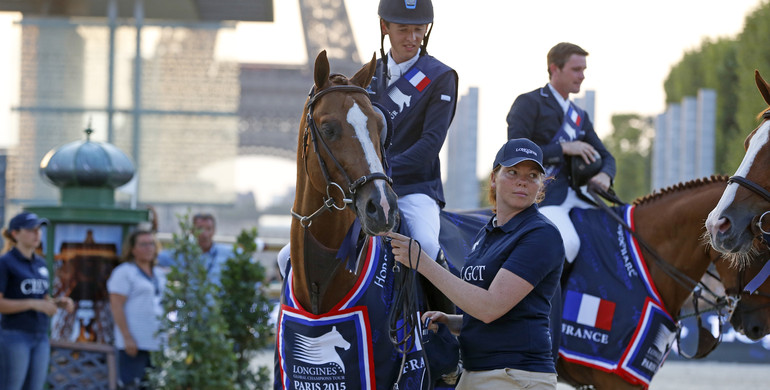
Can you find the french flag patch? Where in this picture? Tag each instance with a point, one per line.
(417, 78)
(574, 116)
(588, 310)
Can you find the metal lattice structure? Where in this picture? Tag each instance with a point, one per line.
(176, 109)
(82, 366)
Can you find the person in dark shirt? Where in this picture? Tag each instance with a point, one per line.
(507, 282)
(26, 307)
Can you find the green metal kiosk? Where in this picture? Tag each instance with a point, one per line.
(82, 245)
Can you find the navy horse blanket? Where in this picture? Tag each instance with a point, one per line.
(613, 318)
(350, 346)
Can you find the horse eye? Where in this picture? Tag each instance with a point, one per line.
(330, 131)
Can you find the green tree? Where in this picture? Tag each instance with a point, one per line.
(630, 144)
(198, 354)
(246, 309)
(727, 65)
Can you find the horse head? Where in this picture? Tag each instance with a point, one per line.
(343, 147)
(341, 177)
(751, 315)
(733, 224)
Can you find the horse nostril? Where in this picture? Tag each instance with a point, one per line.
(723, 224)
(754, 333)
(371, 208)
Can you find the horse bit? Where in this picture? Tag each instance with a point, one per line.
(311, 129)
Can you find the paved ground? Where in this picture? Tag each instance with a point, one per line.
(679, 375)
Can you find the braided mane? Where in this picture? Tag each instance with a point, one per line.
(679, 187)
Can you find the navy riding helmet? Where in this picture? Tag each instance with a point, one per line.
(406, 11)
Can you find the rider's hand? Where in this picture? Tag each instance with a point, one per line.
(601, 180)
(580, 148)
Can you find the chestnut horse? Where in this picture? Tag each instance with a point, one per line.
(671, 223)
(340, 176)
(738, 222)
(732, 225)
(349, 318)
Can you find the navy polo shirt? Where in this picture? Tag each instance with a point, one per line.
(23, 278)
(530, 246)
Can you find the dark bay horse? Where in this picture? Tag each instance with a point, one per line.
(340, 176)
(751, 316)
(671, 223)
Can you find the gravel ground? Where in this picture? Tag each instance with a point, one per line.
(677, 375)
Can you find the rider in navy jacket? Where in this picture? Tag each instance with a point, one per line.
(419, 93)
(538, 116)
(561, 129)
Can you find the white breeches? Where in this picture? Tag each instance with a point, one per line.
(421, 214)
(559, 215)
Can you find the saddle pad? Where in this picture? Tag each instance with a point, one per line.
(351, 342)
(611, 306)
(325, 352)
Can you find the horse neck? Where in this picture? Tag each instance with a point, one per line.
(673, 225)
(328, 230)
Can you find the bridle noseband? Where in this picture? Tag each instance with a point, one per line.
(353, 185)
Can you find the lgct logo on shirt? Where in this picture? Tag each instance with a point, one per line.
(473, 273)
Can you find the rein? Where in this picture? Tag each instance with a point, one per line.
(674, 273)
(404, 310)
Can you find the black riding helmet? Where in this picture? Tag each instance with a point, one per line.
(406, 12)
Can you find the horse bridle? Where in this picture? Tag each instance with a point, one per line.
(353, 185)
(748, 184)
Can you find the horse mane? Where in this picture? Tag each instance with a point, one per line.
(657, 194)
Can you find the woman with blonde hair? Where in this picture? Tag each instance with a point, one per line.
(507, 282)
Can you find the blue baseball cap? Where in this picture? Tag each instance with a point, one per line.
(517, 150)
(26, 220)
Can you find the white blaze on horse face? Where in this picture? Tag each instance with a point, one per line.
(358, 120)
(757, 142)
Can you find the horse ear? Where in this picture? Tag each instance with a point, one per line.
(364, 76)
(321, 72)
(764, 87)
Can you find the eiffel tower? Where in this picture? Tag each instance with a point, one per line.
(272, 96)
